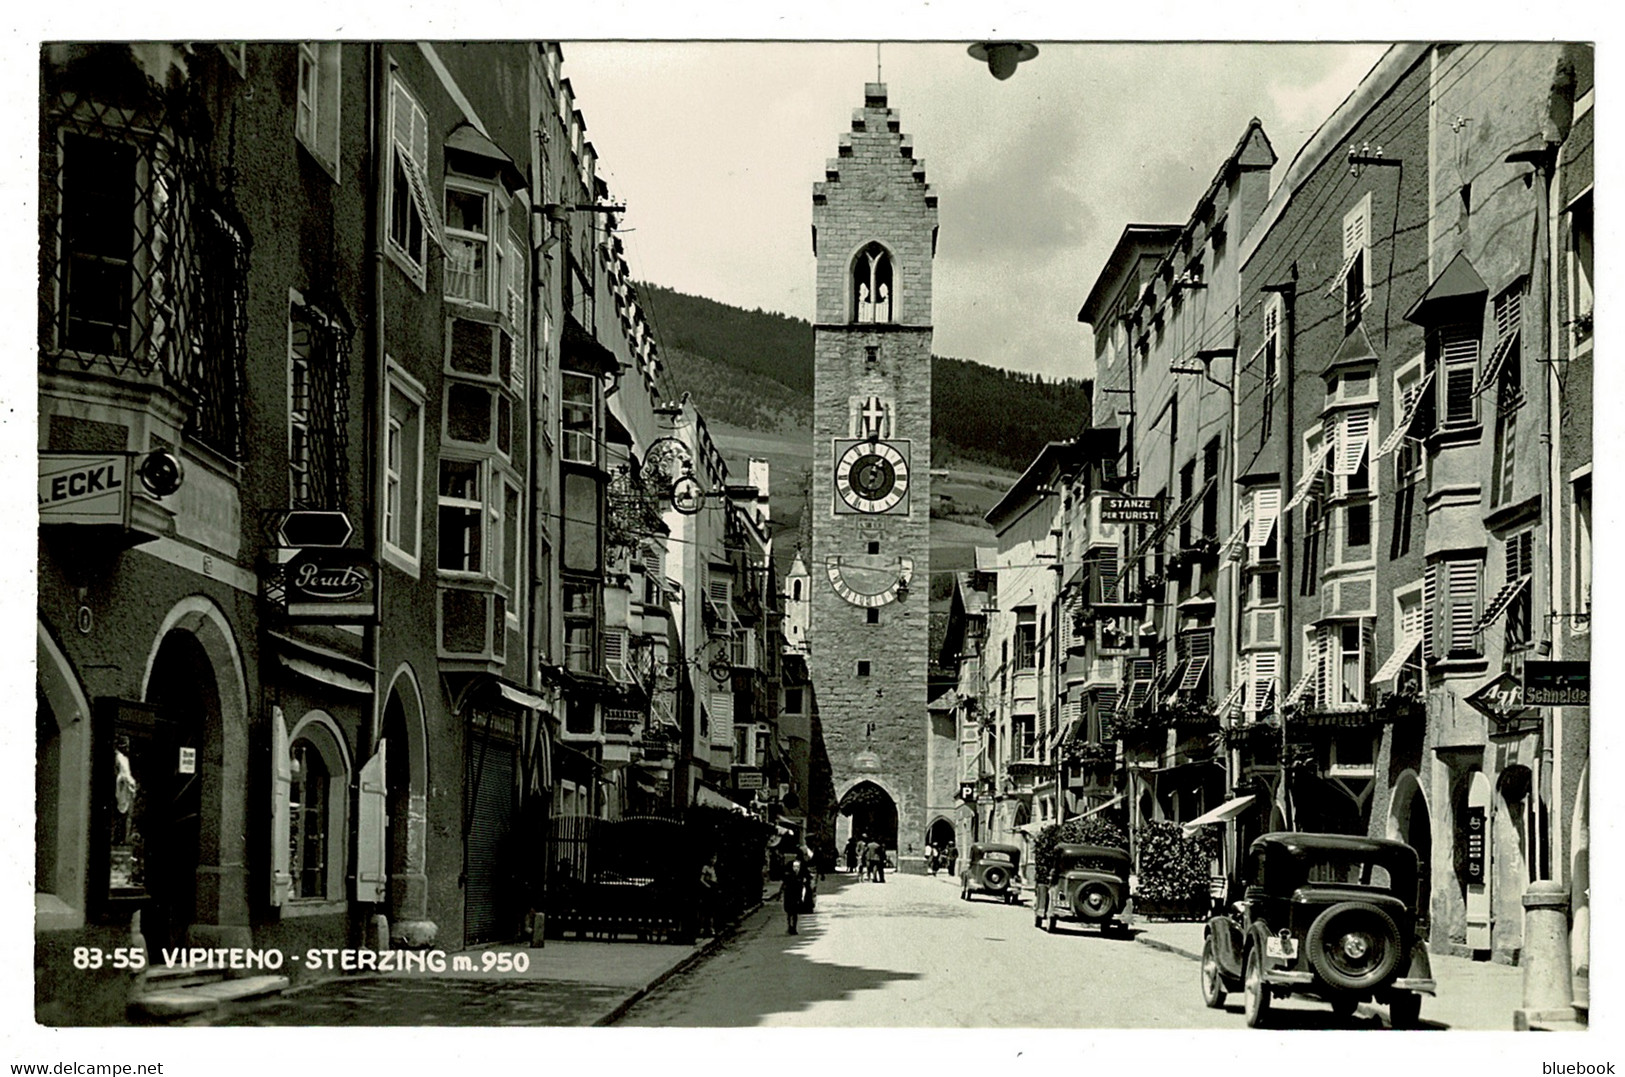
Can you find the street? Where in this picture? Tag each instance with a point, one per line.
(904, 954)
(909, 953)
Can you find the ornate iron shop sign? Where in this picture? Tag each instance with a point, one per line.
(1130, 510)
(330, 585)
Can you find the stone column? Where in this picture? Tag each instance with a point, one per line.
(1547, 986)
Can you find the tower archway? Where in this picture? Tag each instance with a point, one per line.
(872, 812)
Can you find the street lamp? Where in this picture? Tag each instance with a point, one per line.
(1002, 57)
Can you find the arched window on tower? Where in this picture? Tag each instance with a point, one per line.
(872, 291)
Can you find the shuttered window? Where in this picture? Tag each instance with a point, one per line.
(1458, 363)
(1453, 599)
(1260, 697)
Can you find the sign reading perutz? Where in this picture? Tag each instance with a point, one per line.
(334, 585)
(1122, 509)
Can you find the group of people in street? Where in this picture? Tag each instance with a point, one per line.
(868, 855)
(945, 857)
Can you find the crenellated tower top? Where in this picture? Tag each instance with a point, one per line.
(874, 224)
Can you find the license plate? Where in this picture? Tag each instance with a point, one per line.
(1278, 947)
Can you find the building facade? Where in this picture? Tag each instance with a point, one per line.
(358, 588)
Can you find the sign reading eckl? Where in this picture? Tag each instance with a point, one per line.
(75, 489)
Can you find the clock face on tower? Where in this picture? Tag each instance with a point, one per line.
(871, 476)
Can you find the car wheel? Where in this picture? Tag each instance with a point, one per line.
(994, 879)
(1094, 903)
(1353, 946)
(1345, 1005)
(1212, 981)
(1255, 992)
(1405, 1011)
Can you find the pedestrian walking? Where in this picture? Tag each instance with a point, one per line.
(707, 927)
(852, 854)
(931, 858)
(952, 853)
(792, 892)
(877, 862)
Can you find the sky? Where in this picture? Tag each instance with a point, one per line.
(714, 147)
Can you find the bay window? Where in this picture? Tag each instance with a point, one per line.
(462, 516)
(579, 417)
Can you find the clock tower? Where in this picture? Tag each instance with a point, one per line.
(874, 235)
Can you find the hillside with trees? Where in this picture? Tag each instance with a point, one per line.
(753, 369)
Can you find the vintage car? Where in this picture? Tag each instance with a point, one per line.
(1090, 886)
(990, 869)
(1328, 915)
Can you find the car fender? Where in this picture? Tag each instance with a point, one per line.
(1228, 945)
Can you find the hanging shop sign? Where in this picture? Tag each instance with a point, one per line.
(1476, 834)
(748, 779)
(1130, 510)
(1501, 700)
(83, 489)
(1556, 684)
(337, 586)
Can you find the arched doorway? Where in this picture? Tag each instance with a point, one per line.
(171, 797)
(940, 832)
(1409, 822)
(406, 804)
(873, 813)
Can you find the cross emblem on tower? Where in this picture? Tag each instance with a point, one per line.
(873, 414)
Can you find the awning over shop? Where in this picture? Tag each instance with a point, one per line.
(1101, 807)
(325, 674)
(520, 697)
(1222, 814)
(707, 797)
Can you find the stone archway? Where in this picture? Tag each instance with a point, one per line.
(940, 832)
(872, 811)
(62, 758)
(1409, 821)
(194, 676)
(406, 783)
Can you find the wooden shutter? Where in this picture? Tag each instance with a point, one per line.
(281, 796)
(1458, 353)
(1462, 605)
(1368, 656)
(1434, 644)
(1322, 657)
(1105, 575)
(1354, 433)
(1266, 668)
(371, 848)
